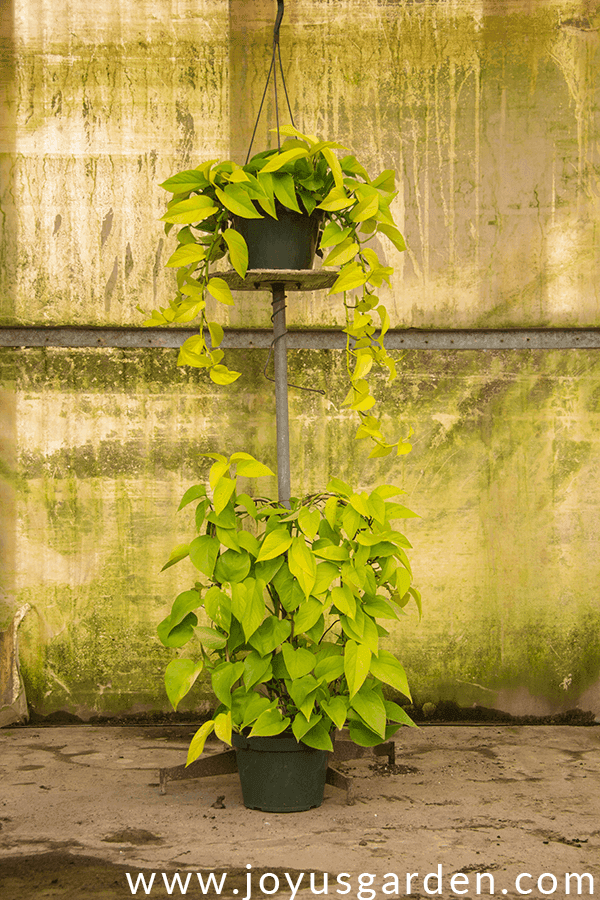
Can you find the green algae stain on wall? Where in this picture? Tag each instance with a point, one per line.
(505, 448)
(508, 545)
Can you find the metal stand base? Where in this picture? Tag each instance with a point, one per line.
(226, 763)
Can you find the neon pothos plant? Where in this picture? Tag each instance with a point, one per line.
(291, 602)
(304, 176)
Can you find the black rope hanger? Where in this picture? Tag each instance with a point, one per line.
(273, 68)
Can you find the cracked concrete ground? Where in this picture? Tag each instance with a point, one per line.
(80, 807)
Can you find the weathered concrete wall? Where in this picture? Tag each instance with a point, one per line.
(488, 109)
(505, 553)
(108, 103)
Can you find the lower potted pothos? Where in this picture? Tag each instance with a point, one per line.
(286, 620)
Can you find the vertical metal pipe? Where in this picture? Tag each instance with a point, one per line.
(281, 395)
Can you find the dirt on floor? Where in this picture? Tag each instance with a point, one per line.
(463, 811)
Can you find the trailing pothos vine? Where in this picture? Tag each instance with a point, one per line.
(293, 599)
(305, 175)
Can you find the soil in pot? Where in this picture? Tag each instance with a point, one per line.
(288, 242)
(278, 774)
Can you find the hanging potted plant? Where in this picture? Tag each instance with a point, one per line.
(298, 197)
(287, 622)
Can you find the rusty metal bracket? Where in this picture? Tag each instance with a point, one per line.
(225, 763)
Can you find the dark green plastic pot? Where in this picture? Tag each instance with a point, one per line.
(278, 774)
(288, 242)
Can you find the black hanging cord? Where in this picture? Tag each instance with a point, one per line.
(273, 68)
(268, 377)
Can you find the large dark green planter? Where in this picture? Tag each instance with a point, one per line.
(288, 242)
(278, 774)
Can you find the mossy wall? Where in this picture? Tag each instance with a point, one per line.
(488, 110)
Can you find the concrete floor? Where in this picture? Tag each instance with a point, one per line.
(505, 800)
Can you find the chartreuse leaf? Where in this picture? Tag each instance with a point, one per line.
(316, 631)
(342, 254)
(336, 486)
(255, 607)
(247, 707)
(270, 634)
(248, 542)
(330, 668)
(220, 290)
(248, 503)
(256, 669)
(393, 234)
(357, 658)
(222, 375)
(416, 595)
(298, 662)
(183, 256)
(395, 713)
(318, 737)
(180, 676)
(190, 180)
(303, 692)
(365, 208)
(218, 606)
(329, 551)
(370, 707)
(269, 722)
(186, 212)
(343, 599)
(177, 635)
(351, 276)
(309, 521)
(302, 564)
(217, 470)
(301, 724)
(197, 744)
(379, 608)
(387, 668)
(183, 604)
(239, 600)
(194, 493)
(223, 678)
(216, 333)
(238, 250)
(282, 159)
(177, 554)
(285, 190)
(362, 735)
(331, 510)
(228, 537)
(336, 199)
(351, 521)
(326, 572)
(334, 165)
(224, 488)
(275, 543)
(307, 615)
(291, 131)
(336, 709)
(209, 638)
(266, 571)
(237, 201)
(250, 467)
(386, 181)
(232, 566)
(333, 235)
(223, 727)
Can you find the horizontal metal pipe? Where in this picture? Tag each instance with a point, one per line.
(307, 339)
